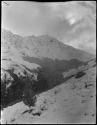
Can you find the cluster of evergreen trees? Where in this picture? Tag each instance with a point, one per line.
(21, 88)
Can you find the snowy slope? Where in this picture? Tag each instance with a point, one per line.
(73, 101)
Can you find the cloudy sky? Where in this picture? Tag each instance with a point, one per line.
(73, 23)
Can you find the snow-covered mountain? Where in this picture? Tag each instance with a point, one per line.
(42, 61)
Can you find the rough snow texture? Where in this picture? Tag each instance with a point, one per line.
(74, 101)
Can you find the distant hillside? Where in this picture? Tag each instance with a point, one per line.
(42, 46)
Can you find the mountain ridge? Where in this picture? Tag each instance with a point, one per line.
(44, 46)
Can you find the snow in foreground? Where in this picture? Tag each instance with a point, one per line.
(71, 102)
